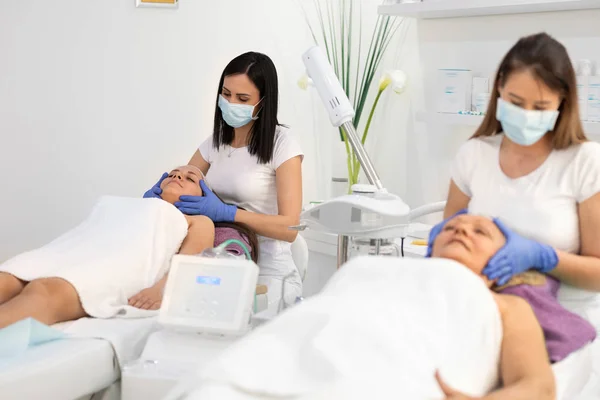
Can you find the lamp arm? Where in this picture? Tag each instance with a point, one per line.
(362, 156)
(337, 104)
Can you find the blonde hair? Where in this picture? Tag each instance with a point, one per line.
(548, 61)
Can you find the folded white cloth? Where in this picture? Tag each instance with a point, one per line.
(124, 246)
(380, 329)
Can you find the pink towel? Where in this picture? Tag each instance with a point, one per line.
(223, 234)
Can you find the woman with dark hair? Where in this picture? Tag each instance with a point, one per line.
(530, 165)
(254, 164)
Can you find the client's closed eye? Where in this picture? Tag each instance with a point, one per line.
(482, 231)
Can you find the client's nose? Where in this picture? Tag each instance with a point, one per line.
(460, 229)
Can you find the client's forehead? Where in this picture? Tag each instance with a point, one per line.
(188, 168)
(478, 220)
(473, 218)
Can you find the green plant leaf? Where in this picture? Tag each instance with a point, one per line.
(337, 21)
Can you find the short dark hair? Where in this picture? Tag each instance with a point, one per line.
(548, 60)
(262, 72)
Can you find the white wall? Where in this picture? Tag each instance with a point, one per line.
(477, 44)
(98, 97)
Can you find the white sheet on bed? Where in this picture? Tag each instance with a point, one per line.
(587, 305)
(573, 374)
(126, 336)
(124, 246)
(591, 388)
(361, 338)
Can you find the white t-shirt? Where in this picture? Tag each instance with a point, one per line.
(238, 178)
(541, 205)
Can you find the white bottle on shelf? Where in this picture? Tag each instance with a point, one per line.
(584, 71)
(593, 103)
(482, 102)
(480, 87)
(454, 90)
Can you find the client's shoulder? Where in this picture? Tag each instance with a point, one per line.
(199, 222)
(510, 305)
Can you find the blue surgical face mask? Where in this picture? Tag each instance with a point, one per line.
(524, 127)
(236, 115)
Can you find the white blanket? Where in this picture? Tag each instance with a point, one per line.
(124, 246)
(380, 329)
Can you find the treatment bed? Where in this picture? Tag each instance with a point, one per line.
(82, 368)
(86, 363)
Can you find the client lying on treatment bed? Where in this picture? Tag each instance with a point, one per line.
(113, 264)
(407, 329)
(564, 332)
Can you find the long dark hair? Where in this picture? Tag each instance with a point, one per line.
(548, 60)
(261, 71)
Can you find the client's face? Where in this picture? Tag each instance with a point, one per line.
(181, 181)
(470, 240)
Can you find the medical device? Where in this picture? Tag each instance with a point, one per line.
(370, 212)
(207, 305)
(209, 295)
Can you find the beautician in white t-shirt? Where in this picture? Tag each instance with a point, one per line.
(530, 165)
(254, 165)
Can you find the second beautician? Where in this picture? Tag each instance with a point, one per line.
(530, 165)
(255, 166)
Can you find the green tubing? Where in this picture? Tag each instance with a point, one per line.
(238, 242)
(248, 256)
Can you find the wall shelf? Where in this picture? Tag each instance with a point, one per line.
(590, 128)
(449, 119)
(429, 9)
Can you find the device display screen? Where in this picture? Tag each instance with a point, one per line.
(208, 280)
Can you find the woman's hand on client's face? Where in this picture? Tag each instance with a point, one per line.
(437, 229)
(518, 255)
(148, 299)
(155, 191)
(208, 205)
(450, 393)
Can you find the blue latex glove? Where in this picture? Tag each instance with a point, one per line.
(209, 205)
(437, 229)
(155, 191)
(518, 255)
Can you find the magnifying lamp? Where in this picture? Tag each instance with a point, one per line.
(374, 213)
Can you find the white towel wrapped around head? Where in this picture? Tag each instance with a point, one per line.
(124, 246)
